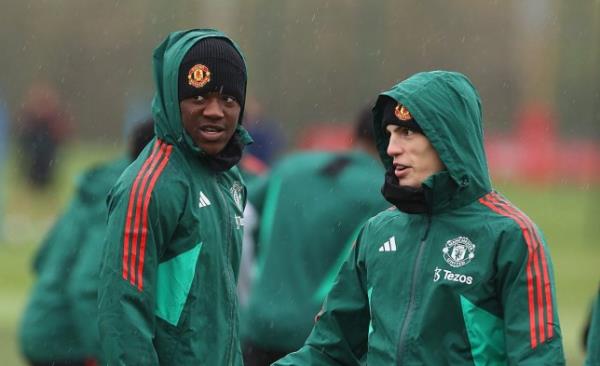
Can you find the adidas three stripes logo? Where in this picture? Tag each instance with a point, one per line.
(389, 246)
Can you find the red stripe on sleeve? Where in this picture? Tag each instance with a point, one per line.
(145, 215)
(138, 209)
(128, 218)
(489, 201)
(532, 245)
(543, 279)
(547, 290)
(540, 298)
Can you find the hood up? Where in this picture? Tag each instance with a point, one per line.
(165, 105)
(447, 107)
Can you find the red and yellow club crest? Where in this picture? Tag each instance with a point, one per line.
(402, 113)
(198, 76)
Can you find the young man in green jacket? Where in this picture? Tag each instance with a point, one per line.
(312, 205)
(59, 323)
(167, 290)
(453, 275)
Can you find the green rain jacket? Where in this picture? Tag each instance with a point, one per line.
(167, 291)
(468, 283)
(310, 217)
(83, 282)
(593, 342)
(56, 322)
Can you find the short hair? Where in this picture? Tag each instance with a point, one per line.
(140, 136)
(363, 128)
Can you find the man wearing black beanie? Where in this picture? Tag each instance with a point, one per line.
(454, 273)
(167, 290)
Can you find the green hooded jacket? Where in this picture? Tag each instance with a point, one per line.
(83, 283)
(314, 204)
(470, 282)
(593, 342)
(56, 322)
(167, 291)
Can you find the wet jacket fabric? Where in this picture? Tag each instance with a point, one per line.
(168, 275)
(593, 342)
(59, 320)
(469, 282)
(314, 203)
(83, 286)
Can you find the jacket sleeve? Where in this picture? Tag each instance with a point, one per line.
(527, 293)
(138, 229)
(340, 334)
(593, 340)
(63, 236)
(257, 190)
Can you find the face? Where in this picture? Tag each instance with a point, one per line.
(210, 120)
(415, 159)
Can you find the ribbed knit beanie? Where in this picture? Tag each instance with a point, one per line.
(397, 114)
(212, 65)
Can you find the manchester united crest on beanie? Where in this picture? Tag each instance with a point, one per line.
(397, 114)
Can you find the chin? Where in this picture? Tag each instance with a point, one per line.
(213, 152)
(211, 149)
(409, 184)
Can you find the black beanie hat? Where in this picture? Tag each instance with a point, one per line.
(397, 114)
(212, 65)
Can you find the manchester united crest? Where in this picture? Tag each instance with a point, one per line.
(236, 193)
(459, 251)
(198, 76)
(402, 113)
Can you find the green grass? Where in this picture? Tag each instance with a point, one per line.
(565, 213)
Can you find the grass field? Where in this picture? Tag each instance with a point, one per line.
(568, 215)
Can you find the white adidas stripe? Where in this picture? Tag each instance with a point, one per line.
(203, 201)
(389, 246)
(393, 243)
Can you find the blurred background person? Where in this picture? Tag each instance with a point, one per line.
(3, 152)
(59, 325)
(43, 128)
(269, 139)
(252, 169)
(592, 334)
(310, 206)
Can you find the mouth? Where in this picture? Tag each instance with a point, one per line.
(401, 170)
(211, 132)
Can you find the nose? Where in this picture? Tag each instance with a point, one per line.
(213, 109)
(394, 147)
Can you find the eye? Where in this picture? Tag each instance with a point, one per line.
(405, 131)
(228, 99)
(199, 98)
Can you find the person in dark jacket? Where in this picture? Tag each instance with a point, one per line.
(167, 291)
(311, 206)
(43, 127)
(59, 323)
(454, 274)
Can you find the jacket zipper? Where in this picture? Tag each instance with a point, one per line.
(411, 302)
(228, 241)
